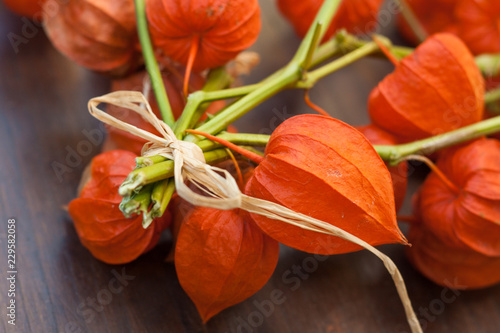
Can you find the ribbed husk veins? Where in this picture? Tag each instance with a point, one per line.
(464, 227)
(224, 28)
(222, 258)
(324, 168)
(436, 89)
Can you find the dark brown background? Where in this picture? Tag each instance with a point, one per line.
(43, 100)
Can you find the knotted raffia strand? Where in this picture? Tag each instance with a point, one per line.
(223, 190)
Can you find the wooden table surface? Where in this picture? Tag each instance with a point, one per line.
(43, 116)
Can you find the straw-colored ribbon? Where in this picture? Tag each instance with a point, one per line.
(222, 190)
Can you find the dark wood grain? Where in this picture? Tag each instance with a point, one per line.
(43, 115)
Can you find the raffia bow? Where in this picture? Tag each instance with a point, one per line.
(221, 188)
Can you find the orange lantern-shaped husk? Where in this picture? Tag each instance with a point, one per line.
(222, 258)
(99, 35)
(469, 217)
(324, 168)
(450, 266)
(100, 224)
(218, 30)
(436, 89)
(458, 237)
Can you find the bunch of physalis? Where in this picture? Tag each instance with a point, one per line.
(321, 186)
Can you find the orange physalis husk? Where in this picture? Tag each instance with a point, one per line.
(356, 16)
(221, 29)
(222, 258)
(119, 139)
(433, 15)
(492, 110)
(469, 218)
(399, 173)
(180, 208)
(479, 25)
(326, 169)
(99, 35)
(436, 89)
(450, 266)
(30, 8)
(100, 224)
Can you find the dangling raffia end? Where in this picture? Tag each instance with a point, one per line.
(281, 213)
(222, 190)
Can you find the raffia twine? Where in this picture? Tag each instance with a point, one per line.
(222, 189)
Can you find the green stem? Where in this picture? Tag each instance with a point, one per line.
(289, 76)
(248, 102)
(159, 191)
(393, 154)
(160, 171)
(314, 35)
(160, 198)
(256, 140)
(167, 196)
(327, 50)
(141, 161)
(217, 80)
(242, 139)
(193, 103)
(229, 93)
(312, 46)
(137, 203)
(210, 96)
(489, 64)
(492, 96)
(152, 65)
(401, 51)
(316, 75)
(343, 43)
